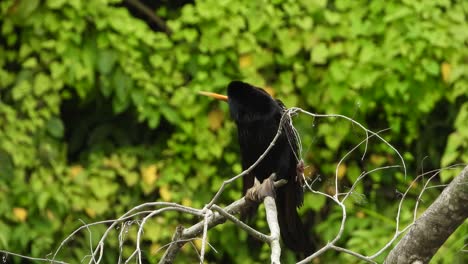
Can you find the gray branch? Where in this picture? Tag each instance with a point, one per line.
(435, 225)
(182, 235)
(272, 219)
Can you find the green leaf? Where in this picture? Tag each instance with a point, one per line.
(6, 163)
(21, 89)
(153, 120)
(338, 71)
(41, 84)
(55, 127)
(431, 66)
(319, 54)
(332, 17)
(30, 62)
(170, 114)
(314, 202)
(102, 188)
(122, 84)
(290, 45)
(106, 61)
(100, 206)
(57, 70)
(337, 92)
(397, 13)
(131, 178)
(24, 9)
(55, 4)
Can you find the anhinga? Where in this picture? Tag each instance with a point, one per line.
(257, 116)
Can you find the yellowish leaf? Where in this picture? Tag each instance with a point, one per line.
(21, 214)
(90, 212)
(75, 170)
(309, 171)
(377, 159)
(245, 61)
(186, 202)
(149, 174)
(215, 119)
(360, 214)
(446, 69)
(50, 215)
(342, 171)
(113, 162)
(165, 193)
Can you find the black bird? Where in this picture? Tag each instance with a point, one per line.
(257, 116)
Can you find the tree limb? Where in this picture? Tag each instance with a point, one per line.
(435, 225)
(181, 237)
(254, 233)
(272, 219)
(150, 14)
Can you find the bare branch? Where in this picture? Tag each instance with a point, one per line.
(254, 233)
(208, 214)
(170, 207)
(352, 253)
(272, 219)
(6, 253)
(361, 126)
(218, 217)
(431, 230)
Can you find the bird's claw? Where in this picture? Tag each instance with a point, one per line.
(259, 191)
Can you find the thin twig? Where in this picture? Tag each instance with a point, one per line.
(254, 233)
(197, 229)
(208, 214)
(362, 127)
(6, 253)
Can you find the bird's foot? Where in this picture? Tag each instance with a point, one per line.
(259, 191)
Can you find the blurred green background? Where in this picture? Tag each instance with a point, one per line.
(99, 113)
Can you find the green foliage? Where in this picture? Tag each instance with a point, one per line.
(99, 113)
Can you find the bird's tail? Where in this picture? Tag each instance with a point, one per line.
(293, 233)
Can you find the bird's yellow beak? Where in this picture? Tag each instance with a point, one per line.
(215, 95)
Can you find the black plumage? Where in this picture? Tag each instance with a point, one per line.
(257, 116)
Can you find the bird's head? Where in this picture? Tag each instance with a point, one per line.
(247, 103)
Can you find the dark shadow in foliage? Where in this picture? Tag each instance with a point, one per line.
(91, 126)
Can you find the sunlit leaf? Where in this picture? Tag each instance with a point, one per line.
(21, 214)
(165, 193)
(149, 174)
